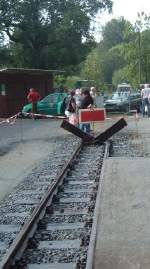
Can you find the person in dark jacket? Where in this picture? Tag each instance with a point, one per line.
(87, 102)
(70, 111)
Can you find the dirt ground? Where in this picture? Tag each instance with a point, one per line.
(22, 147)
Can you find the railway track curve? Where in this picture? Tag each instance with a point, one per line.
(60, 230)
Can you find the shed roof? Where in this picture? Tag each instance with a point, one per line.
(29, 71)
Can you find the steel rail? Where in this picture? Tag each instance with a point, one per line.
(92, 243)
(18, 246)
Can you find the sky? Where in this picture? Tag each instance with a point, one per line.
(126, 8)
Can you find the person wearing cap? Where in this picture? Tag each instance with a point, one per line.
(33, 97)
(87, 102)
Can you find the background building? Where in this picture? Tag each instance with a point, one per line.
(15, 84)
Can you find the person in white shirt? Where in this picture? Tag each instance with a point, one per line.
(145, 92)
(148, 105)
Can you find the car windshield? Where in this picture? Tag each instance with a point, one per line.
(124, 89)
(62, 96)
(52, 98)
(120, 95)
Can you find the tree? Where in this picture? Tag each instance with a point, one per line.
(107, 57)
(125, 75)
(49, 33)
(142, 29)
(124, 51)
(113, 33)
(136, 50)
(92, 67)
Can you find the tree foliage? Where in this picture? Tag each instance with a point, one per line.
(49, 33)
(106, 58)
(113, 33)
(124, 52)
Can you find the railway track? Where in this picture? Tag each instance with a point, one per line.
(57, 234)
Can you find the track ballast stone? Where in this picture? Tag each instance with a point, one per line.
(63, 236)
(32, 188)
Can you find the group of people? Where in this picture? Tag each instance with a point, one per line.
(145, 94)
(79, 99)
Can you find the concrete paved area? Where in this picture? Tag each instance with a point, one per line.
(123, 232)
(22, 147)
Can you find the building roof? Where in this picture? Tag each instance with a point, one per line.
(29, 71)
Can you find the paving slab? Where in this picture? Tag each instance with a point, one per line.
(123, 232)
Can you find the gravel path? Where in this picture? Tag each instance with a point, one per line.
(17, 207)
(23, 146)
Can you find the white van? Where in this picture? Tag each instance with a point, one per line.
(124, 87)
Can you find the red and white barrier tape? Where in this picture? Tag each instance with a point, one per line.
(10, 120)
(43, 116)
(13, 119)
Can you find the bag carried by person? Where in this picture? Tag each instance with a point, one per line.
(73, 119)
(70, 108)
(64, 105)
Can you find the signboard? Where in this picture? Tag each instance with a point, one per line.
(92, 115)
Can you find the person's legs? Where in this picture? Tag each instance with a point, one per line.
(34, 110)
(143, 106)
(35, 107)
(82, 126)
(88, 128)
(148, 107)
(85, 127)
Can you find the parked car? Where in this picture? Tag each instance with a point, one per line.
(124, 102)
(50, 105)
(124, 87)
